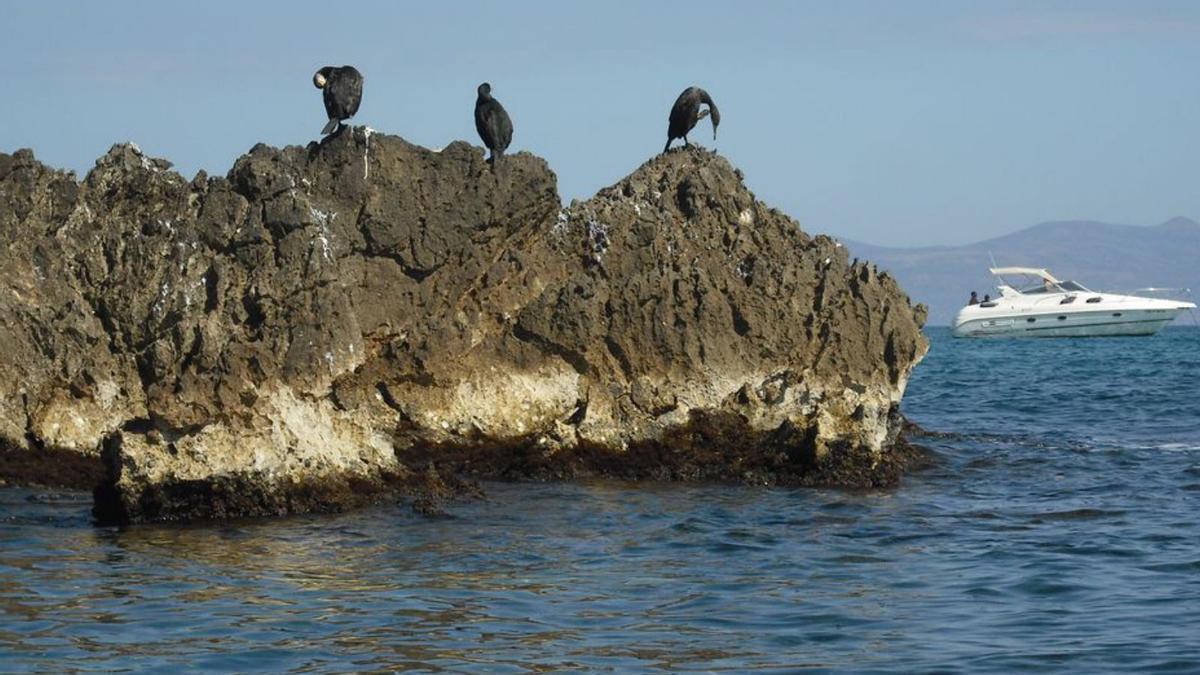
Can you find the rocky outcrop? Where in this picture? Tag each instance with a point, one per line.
(325, 323)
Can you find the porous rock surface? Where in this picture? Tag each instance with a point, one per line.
(326, 322)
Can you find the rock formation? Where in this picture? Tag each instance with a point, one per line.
(326, 323)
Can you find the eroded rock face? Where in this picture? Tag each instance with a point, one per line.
(326, 321)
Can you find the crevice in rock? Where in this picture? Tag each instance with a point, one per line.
(573, 358)
(138, 425)
(619, 355)
(889, 357)
(819, 294)
(579, 414)
(740, 325)
(417, 274)
(255, 316)
(390, 401)
(210, 289)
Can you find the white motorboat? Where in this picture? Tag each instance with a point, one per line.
(1053, 308)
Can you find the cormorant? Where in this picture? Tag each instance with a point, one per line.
(686, 112)
(492, 122)
(342, 92)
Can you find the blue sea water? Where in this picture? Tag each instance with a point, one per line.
(1056, 531)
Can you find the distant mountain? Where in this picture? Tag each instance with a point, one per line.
(1101, 256)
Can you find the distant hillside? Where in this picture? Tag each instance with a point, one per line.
(1101, 256)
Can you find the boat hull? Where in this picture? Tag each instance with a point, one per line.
(1076, 324)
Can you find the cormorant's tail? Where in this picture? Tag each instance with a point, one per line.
(333, 123)
(667, 146)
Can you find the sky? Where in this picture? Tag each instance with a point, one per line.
(893, 123)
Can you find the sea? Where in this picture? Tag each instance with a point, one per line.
(1055, 529)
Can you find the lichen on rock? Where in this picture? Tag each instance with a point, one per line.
(327, 322)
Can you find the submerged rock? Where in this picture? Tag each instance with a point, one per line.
(325, 323)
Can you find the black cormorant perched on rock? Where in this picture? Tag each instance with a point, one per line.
(492, 122)
(343, 92)
(686, 112)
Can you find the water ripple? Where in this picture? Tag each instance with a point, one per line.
(1056, 531)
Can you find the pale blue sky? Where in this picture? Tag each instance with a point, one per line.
(898, 123)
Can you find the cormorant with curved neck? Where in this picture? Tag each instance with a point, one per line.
(342, 89)
(686, 113)
(492, 123)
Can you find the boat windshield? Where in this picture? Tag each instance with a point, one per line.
(1061, 287)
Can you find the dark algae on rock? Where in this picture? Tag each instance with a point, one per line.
(327, 325)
